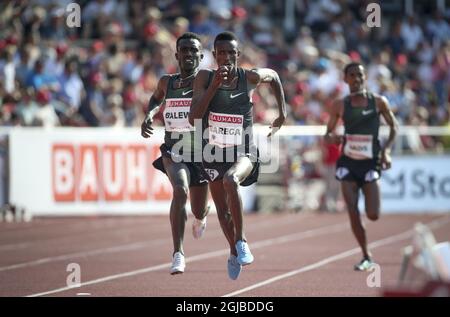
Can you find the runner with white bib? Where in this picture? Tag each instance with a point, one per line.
(178, 150)
(222, 105)
(363, 158)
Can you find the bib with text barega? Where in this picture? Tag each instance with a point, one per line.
(225, 129)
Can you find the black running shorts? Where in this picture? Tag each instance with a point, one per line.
(216, 170)
(196, 173)
(359, 171)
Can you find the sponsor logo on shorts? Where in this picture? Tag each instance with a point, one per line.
(212, 173)
(341, 172)
(371, 176)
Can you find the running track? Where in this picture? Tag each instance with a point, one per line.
(304, 254)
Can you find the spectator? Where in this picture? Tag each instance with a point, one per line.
(411, 33)
(133, 42)
(72, 89)
(40, 80)
(46, 115)
(8, 71)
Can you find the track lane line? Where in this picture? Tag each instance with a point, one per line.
(258, 244)
(125, 247)
(90, 230)
(435, 224)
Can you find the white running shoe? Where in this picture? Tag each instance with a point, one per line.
(244, 256)
(178, 263)
(198, 227)
(365, 265)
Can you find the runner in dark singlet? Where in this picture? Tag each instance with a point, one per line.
(363, 158)
(178, 150)
(223, 100)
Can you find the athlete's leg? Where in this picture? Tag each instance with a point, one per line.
(226, 222)
(199, 207)
(179, 177)
(372, 199)
(199, 200)
(224, 215)
(350, 192)
(231, 180)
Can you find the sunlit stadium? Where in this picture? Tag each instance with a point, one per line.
(85, 92)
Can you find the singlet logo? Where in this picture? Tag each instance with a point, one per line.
(234, 96)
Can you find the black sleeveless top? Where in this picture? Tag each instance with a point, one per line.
(228, 121)
(179, 133)
(361, 129)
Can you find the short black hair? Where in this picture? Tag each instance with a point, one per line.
(188, 36)
(225, 36)
(350, 65)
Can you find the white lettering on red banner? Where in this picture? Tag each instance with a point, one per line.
(89, 178)
(113, 176)
(109, 172)
(226, 118)
(63, 162)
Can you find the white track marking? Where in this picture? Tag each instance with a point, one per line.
(14, 246)
(382, 242)
(125, 247)
(121, 248)
(203, 256)
(91, 227)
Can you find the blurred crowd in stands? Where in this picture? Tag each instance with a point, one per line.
(103, 73)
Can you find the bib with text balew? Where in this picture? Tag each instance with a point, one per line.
(176, 114)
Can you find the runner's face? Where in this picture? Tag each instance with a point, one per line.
(355, 78)
(226, 53)
(189, 54)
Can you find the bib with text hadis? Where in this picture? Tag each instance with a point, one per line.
(358, 146)
(176, 115)
(225, 129)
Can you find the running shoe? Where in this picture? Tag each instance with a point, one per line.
(364, 265)
(234, 268)
(198, 227)
(244, 257)
(178, 263)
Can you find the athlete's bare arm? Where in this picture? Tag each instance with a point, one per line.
(336, 112)
(267, 75)
(153, 106)
(383, 107)
(203, 94)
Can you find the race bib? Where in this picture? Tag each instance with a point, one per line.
(358, 146)
(225, 129)
(176, 114)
